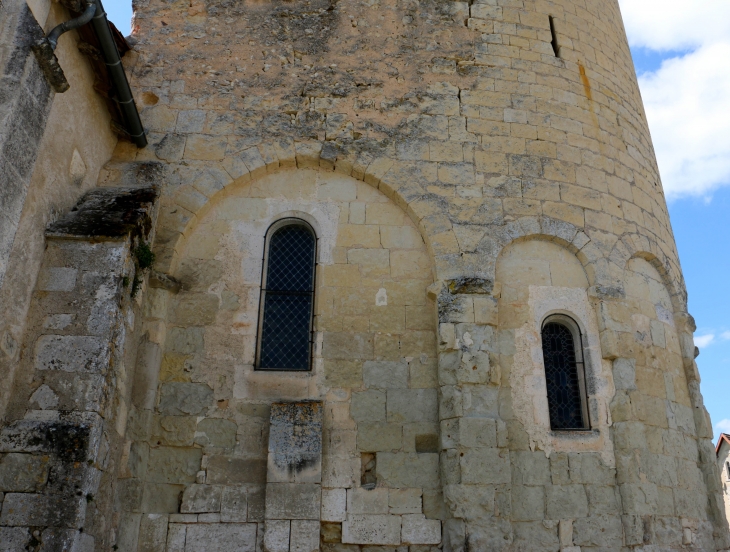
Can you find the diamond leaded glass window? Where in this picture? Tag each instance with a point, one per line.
(285, 327)
(564, 376)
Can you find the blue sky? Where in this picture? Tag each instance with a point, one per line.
(682, 58)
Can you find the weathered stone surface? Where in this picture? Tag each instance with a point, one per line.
(174, 431)
(368, 406)
(215, 432)
(109, 212)
(224, 470)
(379, 437)
(277, 535)
(367, 501)
(304, 536)
(412, 405)
(201, 498)
(416, 529)
(161, 498)
(409, 470)
(13, 539)
(371, 529)
(174, 464)
(176, 534)
(234, 504)
(295, 443)
(71, 353)
(385, 375)
(23, 472)
(485, 466)
(293, 501)
(566, 501)
(334, 504)
(185, 399)
(220, 537)
(405, 501)
(152, 532)
(26, 509)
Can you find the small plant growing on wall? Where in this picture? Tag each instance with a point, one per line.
(144, 258)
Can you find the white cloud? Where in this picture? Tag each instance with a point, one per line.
(723, 426)
(688, 99)
(675, 24)
(704, 340)
(688, 105)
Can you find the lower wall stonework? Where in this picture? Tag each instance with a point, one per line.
(59, 453)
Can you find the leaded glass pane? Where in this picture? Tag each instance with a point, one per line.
(288, 300)
(565, 400)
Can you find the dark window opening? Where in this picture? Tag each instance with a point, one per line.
(556, 46)
(368, 466)
(287, 298)
(562, 351)
(728, 469)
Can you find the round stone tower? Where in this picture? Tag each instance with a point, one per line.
(501, 354)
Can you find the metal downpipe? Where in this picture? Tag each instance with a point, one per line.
(70, 25)
(119, 78)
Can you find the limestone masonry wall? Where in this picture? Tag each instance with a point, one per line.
(469, 169)
(451, 162)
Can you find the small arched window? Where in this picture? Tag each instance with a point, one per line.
(562, 349)
(287, 297)
(728, 470)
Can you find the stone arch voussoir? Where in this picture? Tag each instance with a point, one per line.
(562, 233)
(642, 247)
(181, 211)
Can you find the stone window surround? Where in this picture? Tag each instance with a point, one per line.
(324, 225)
(569, 321)
(280, 221)
(546, 301)
(589, 372)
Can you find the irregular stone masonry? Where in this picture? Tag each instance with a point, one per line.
(464, 183)
(476, 136)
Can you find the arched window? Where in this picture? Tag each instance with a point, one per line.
(287, 297)
(562, 349)
(728, 470)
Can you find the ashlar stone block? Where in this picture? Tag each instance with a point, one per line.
(13, 539)
(216, 432)
(334, 504)
(201, 499)
(405, 501)
(221, 537)
(368, 406)
(276, 535)
(416, 529)
(174, 464)
(485, 466)
(293, 501)
(71, 353)
(566, 502)
(304, 536)
(185, 399)
(152, 533)
(412, 405)
(385, 375)
(234, 504)
(24, 473)
(372, 529)
(176, 533)
(295, 443)
(409, 470)
(367, 501)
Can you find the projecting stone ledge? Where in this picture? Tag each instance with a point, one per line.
(108, 213)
